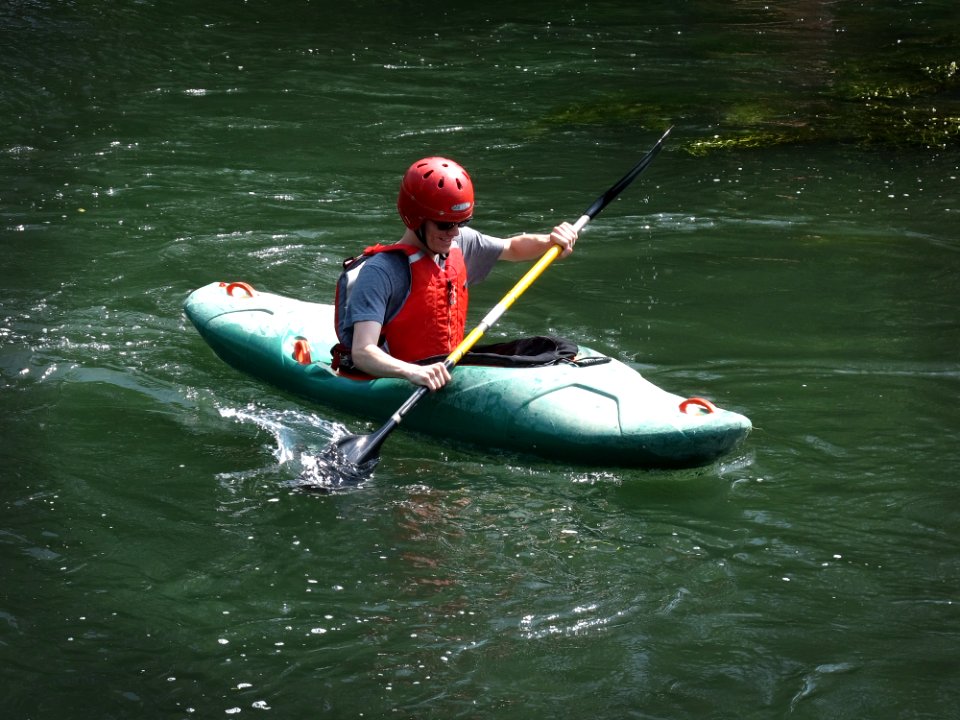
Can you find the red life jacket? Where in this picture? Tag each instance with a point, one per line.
(433, 316)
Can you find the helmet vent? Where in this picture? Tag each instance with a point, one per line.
(440, 184)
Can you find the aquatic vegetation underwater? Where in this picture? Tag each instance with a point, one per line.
(896, 94)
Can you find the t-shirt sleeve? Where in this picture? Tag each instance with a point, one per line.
(480, 253)
(379, 292)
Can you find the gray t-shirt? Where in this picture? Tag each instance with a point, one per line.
(383, 282)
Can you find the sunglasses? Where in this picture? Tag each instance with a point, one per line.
(444, 226)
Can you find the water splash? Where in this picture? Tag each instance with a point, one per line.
(297, 435)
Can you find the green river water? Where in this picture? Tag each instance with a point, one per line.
(793, 254)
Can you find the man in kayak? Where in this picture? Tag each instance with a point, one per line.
(399, 304)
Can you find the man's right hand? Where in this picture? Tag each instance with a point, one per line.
(371, 359)
(433, 376)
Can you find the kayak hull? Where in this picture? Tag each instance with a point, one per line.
(598, 413)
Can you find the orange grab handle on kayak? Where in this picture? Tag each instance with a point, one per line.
(301, 351)
(246, 287)
(698, 402)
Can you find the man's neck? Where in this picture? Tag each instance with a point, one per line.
(410, 238)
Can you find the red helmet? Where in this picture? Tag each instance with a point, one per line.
(435, 188)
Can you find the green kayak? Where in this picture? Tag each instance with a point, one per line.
(592, 411)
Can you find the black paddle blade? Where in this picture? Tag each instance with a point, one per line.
(358, 450)
(347, 462)
(342, 465)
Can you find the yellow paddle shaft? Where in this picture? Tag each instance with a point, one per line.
(501, 307)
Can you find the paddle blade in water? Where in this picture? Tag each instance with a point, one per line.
(343, 465)
(363, 449)
(356, 449)
(332, 471)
